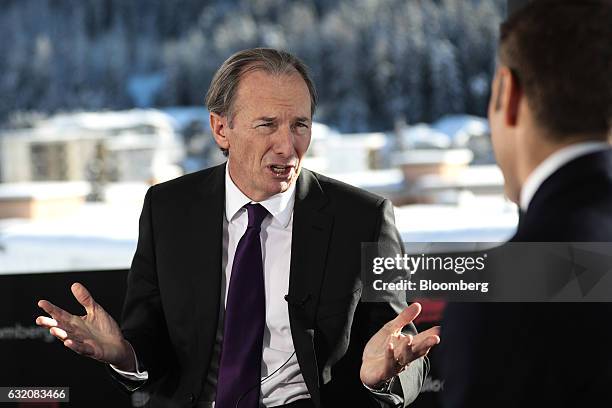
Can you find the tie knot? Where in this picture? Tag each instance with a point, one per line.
(257, 213)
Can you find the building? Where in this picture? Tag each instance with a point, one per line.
(133, 145)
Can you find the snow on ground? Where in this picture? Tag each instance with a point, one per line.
(103, 236)
(479, 219)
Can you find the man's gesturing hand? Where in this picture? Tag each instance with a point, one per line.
(94, 335)
(389, 351)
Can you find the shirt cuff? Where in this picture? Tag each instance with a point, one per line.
(131, 375)
(385, 395)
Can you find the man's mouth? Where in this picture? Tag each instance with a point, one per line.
(281, 170)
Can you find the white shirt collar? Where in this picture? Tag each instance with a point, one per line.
(279, 205)
(553, 163)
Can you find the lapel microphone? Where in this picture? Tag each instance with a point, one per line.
(263, 380)
(296, 302)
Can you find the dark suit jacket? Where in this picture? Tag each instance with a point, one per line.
(539, 354)
(173, 296)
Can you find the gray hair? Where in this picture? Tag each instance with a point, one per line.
(222, 91)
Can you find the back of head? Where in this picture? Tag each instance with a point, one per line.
(560, 51)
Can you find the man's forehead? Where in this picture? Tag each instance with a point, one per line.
(260, 90)
(259, 80)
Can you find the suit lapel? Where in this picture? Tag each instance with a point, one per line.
(205, 237)
(309, 244)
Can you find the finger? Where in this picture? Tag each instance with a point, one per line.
(83, 296)
(406, 316)
(402, 340)
(46, 322)
(403, 351)
(78, 347)
(59, 333)
(55, 312)
(406, 353)
(434, 331)
(422, 348)
(61, 318)
(392, 365)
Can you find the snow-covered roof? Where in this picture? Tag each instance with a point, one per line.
(433, 156)
(390, 180)
(460, 127)
(422, 135)
(321, 131)
(111, 120)
(43, 190)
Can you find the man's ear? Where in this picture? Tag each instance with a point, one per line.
(219, 127)
(511, 95)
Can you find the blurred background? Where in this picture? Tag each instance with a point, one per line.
(103, 98)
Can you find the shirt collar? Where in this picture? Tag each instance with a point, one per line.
(551, 164)
(279, 205)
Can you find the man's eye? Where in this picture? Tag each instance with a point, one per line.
(300, 124)
(265, 125)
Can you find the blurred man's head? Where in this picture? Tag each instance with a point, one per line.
(553, 85)
(261, 103)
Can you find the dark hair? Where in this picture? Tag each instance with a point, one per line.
(560, 51)
(222, 91)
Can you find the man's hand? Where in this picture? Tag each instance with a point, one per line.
(389, 351)
(95, 335)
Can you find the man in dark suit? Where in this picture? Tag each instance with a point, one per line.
(245, 287)
(550, 116)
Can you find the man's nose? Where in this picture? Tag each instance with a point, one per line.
(283, 142)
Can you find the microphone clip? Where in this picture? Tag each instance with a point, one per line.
(295, 302)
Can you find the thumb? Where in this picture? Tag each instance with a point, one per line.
(83, 296)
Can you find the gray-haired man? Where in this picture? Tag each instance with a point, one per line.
(245, 285)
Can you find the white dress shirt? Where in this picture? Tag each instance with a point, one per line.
(553, 163)
(287, 384)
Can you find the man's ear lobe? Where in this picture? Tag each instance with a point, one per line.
(512, 95)
(218, 127)
(216, 123)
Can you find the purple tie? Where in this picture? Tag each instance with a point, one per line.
(238, 383)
